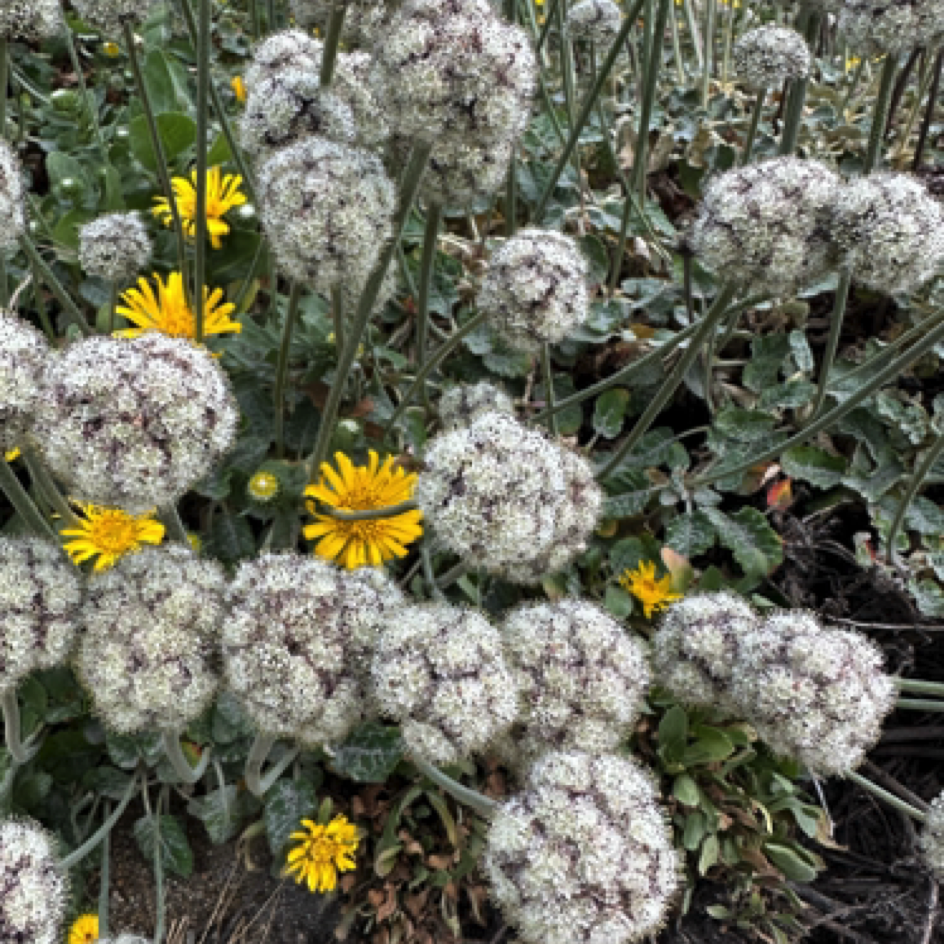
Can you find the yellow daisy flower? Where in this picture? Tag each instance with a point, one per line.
(84, 930)
(223, 194)
(169, 313)
(238, 86)
(112, 49)
(12, 455)
(642, 584)
(363, 488)
(109, 534)
(323, 851)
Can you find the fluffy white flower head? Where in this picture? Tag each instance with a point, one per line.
(931, 838)
(364, 20)
(768, 56)
(31, 20)
(874, 27)
(12, 197)
(439, 670)
(464, 403)
(597, 21)
(24, 357)
(115, 247)
(111, 16)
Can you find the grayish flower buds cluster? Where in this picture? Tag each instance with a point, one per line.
(298, 642)
(535, 291)
(149, 652)
(582, 678)
(40, 594)
(497, 494)
(12, 197)
(931, 838)
(598, 21)
(584, 854)
(114, 247)
(440, 671)
(459, 174)
(364, 20)
(29, 19)
(134, 423)
(874, 27)
(327, 210)
(464, 403)
(452, 69)
(110, 16)
(33, 891)
(280, 52)
(891, 230)
(765, 227)
(768, 56)
(24, 357)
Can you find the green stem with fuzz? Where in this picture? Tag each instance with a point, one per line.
(104, 876)
(174, 753)
(257, 784)
(175, 527)
(880, 114)
(160, 898)
(427, 264)
(920, 687)
(917, 480)
(90, 844)
(641, 157)
(281, 367)
(70, 309)
(832, 341)
(920, 704)
(203, 129)
(25, 508)
(478, 801)
(47, 487)
(548, 375)
(755, 124)
(886, 797)
(329, 53)
(83, 91)
(21, 752)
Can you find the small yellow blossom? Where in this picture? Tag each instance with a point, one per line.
(112, 49)
(169, 313)
(12, 455)
(84, 930)
(239, 88)
(263, 486)
(642, 584)
(363, 488)
(223, 194)
(195, 542)
(322, 852)
(852, 62)
(109, 534)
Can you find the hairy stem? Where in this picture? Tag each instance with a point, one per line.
(83, 91)
(880, 115)
(175, 527)
(174, 753)
(548, 376)
(886, 797)
(21, 752)
(427, 264)
(203, 118)
(755, 124)
(257, 784)
(20, 500)
(47, 487)
(90, 844)
(329, 54)
(281, 367)
(832, 342)
(478, 801)
(44, 271)
(929, 112)
(104, 878)
(917, 480)
(920, 687)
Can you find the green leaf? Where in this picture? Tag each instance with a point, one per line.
(813, 465)
(609, 411)
(710, 853)
(710, 745)
(114, 198)
(767, 356)
(230, 538)
(690, 535)
(177, 131)
(222, 813)
(618, 602)
(61, 167)
(286, 804)
(685, 790)
(673, 734)
(66, 231)
(159, 82)
(370, 754)
(176, 855)
(787, 396)
(749, 536)
(634, 495)
(789, 862)
(743, 425)
(219, 153)
(595, 252)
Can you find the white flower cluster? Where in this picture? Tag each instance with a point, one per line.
(327, 210)
(284, 50)
(459, 173)
(12, 210)
(931, 838)
(535, 291)
(452, 69)
(40, 594)
(768, 56)
(875, 27)
(149, 651)
(891, 230)
(765, 227)
(114, 247)
(584, 855)
(298, 642)
(695, 647)
(582, 678)
(501, 496)
(134, 423)
(597, 21)
(364, 22)
(464, 403)
(440, 671)
(110, 16)
(24, 358)
(30, 19)
(289, 106)
(33, 892)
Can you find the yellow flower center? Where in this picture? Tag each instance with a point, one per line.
(263, 485)
(114, 532)
(653, 594)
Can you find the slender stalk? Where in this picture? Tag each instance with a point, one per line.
(917, 480)
(832, 342)
(885, 796)
(797, 99)
(160, 899)
(70, 309)
(40, 303)
(641, 157)
(372, 514)
(919, 686)
(691, 21)
(329, 54)
(549, 18)
(755, 124)
(705, 327)
(428, 574)
(175, 527)
(677, 48)
(880, 115)
(112, 305)
(452, 575)
(21, 752)
(83, 91)
(548, 376)
(901, 83)
(511, 196)
(478, 801)
(409, 185)
(281, 367)
(427, 264)
(257, 784)
(47, 486)
(710, 11)
(570, 86)
(104, 897)
(920, 704)
(20, 500)
(4, 83)
(175, 754)
(203, 118)
(929, 112)
(90, 844)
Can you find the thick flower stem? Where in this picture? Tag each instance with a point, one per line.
(880, 115)
(45, 272)
(755, 124)
(90, 844)
(257, 784)
(478, 801)
(920, 687)
(83, 91)
(160, 157)
(797, 96)
(409, 185)
(337, 316)
(548, 376)
(329, 55)
(203, 119)
(428, 573)
(22, 753)
(281, 368)
(112, 305)
(374, 514)
(710, 11)
(549, 19)
(175, 754)
(160, 898)
(886, 797)
(427, 265)
(917, 480)
(705, 327)
(20, 500)
(920, 704)
(832, 342)
(47, 487)
(929, 112)
(104, 879)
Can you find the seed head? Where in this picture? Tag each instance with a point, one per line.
(30, 21)
(464, 403)
(115, 247)
(768, 56)
(12, 210)
(875, 27)
(24, 357)
(596, 21)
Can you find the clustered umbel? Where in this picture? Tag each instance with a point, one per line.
(149, 650)
(458, 173)
(440, 671)
(695, 647)
(768, 56)
(30, 20)
(584, 853)
(814, 694)
(115, 247)
(364, 20)
(40, 594)
(766, 227)
(453, 69)
(24, 357)
(891, 231)
(497, 494)
(298, 642)
(12, 209)
(931, 838)
(582, 678)
(280, 52)
(134, 423)
(110, 16)
(535, 291)
(327, 210)
(876, 27)
(597, 21)
(464, 403)
(33, 892)
(285, 108)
